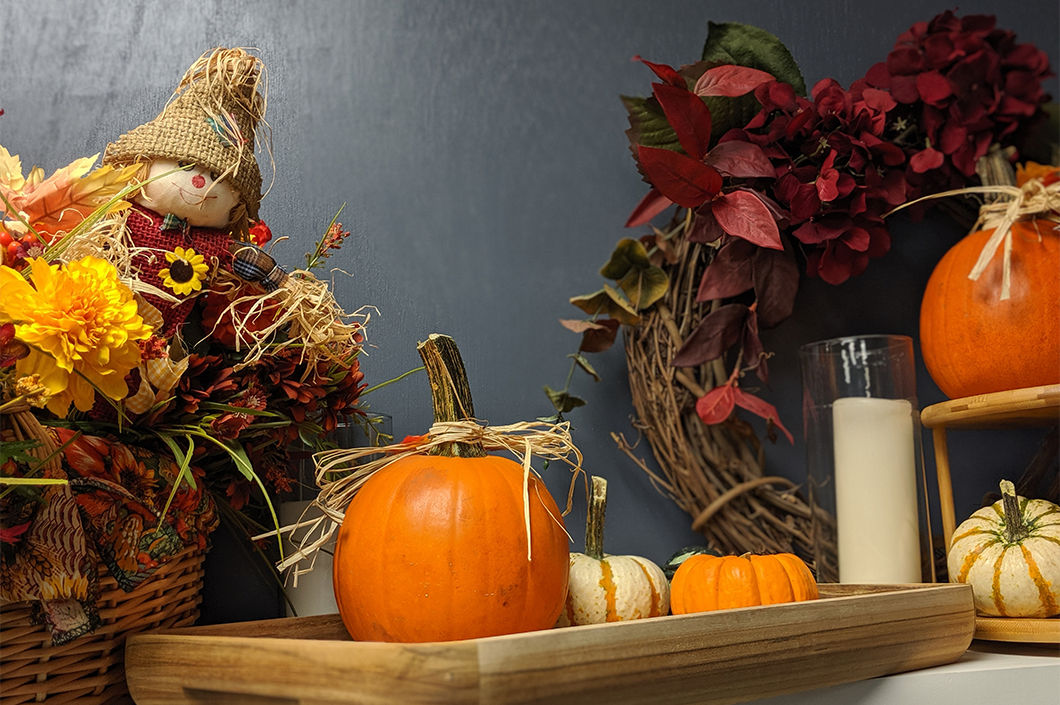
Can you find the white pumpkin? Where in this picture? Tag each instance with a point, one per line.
(607, 588)
(1010, 554)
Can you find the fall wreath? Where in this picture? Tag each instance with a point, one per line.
(764, 182)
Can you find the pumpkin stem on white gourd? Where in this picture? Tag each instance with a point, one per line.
(450, 392)
(594, 520)
(1015, 529)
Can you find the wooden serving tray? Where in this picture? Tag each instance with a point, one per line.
(853, 632)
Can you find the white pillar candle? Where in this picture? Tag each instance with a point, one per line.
(875, 484)
(315, 593)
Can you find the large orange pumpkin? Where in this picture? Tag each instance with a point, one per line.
(975, 343)
(434, 547)
(704, 583)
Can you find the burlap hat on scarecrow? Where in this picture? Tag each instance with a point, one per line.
(202, 182)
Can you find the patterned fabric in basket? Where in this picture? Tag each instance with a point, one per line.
(111, 510)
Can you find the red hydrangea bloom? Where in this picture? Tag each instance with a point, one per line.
(834, 170)
(960, 85)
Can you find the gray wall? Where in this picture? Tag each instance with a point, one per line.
(479, 148)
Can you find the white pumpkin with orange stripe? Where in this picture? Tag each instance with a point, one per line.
(611, 588)
(1010, 554)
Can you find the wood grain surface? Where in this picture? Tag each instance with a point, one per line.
(851, 633)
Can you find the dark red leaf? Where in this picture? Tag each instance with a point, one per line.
(742, 215)
(730, 273)
(650, 206)
(688, 115)
(705, 226)
(776, 280)
(600, 339)
(758, 407)
(716, 405)
(716, 333)
(685, 181)
(664, 72)
(741, 159)
(753, 351)
(730, 81)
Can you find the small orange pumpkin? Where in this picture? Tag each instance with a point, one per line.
(434, 547)
(704, 583)
(975, 343)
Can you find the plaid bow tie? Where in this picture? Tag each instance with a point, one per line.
(172, 222)
(254, 265)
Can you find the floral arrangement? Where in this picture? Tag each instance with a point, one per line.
(766, 183)
(158, 368)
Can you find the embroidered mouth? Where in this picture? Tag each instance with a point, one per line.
(191, 199)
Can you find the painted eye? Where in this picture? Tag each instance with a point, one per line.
(213, 176)
(182, 165)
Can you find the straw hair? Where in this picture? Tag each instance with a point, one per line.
(211, 120)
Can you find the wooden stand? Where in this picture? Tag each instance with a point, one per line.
(1017, 408)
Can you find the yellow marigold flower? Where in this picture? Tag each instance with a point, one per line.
(187, 271)
(82, 327)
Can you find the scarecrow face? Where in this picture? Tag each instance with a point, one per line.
(192, 194)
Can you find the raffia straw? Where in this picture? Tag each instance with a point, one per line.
(108, 239)
(523, 440)
(305, 309)
(1033, 199)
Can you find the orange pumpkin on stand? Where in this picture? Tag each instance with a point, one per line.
(973, 342)
(434, 547)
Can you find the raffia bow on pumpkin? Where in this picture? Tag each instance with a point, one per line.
(523, 440)
(1035, 199)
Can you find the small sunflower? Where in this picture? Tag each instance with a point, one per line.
(187, 271)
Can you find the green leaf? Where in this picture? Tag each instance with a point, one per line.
(607, 301)
(32, 481)
(628, 253)
(563, 400)
(746, 45)
(16, 450)
(645, 286)
(648, 125)
(584, 364)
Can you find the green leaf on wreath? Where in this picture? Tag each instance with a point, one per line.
(746, 45)
(628, 254)
(563, 401)
(648, 125)
(643, 282)
(607, 301)
(584, 364)
(645, 286)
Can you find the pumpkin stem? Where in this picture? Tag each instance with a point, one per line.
(450, 393)
(594, 520)
(1015, 529)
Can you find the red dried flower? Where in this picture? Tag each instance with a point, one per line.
(260, 233)
(961, 85)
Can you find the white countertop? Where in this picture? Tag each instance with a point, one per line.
(989, 672)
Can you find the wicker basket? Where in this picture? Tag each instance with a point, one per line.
(91, 669)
